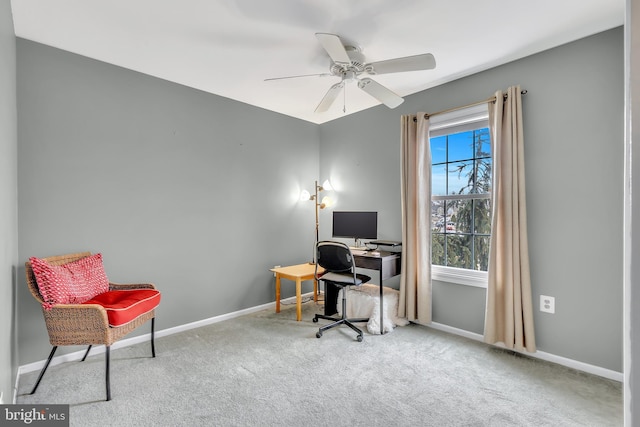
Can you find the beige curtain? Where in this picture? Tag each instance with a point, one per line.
(415, 282)
(509, 311)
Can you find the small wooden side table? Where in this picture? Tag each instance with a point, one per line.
(298, 273)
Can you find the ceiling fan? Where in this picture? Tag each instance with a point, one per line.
(348, 63)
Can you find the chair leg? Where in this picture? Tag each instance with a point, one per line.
(108, 381)
(86, 354)
(153, 327)
(343, 320)
(355, 328)
(344, 316)
(46, 365)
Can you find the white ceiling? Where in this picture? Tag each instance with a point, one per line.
(229, 47)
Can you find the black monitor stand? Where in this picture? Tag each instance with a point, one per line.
(358, 246)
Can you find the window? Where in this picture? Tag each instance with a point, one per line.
(461, 176)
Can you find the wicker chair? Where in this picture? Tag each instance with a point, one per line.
(84, 324)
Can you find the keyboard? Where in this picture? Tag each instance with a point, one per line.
(361, 252)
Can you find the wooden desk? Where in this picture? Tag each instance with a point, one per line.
(298, 273)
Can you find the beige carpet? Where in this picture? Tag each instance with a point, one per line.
(266, 369)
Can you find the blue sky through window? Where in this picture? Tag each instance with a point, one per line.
(448, 153)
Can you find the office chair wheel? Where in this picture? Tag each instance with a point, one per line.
(318, 334)
(315, 319)
(359, 338)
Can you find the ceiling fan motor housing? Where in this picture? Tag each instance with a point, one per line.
(356, 67)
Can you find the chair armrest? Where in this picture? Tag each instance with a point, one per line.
(89, 313)
(128, 286)
(77, 324)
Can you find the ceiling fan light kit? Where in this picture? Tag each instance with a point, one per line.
(348, 63)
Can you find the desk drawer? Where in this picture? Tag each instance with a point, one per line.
(389, 263)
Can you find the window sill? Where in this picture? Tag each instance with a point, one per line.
(459, 276)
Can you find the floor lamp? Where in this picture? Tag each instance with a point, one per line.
(325, 203)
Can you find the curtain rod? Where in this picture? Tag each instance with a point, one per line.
(486, 101)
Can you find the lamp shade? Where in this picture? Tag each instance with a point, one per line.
(327, 202)
(305, 195)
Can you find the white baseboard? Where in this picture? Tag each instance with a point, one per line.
(570, 363)
(15, 388)
(36, 366)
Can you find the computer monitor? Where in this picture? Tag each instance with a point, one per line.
(355, 224)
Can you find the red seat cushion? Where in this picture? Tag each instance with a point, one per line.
(124, 306)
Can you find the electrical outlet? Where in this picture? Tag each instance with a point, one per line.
(547, 304)
(274, 273)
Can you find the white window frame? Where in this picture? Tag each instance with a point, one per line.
(443, 124)
(459, 276)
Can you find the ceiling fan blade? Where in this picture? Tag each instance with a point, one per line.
(381, 93)
(334, 47)
(301, 75)
(399, 65)
(329, 97)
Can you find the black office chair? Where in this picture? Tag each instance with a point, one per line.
(339, 270)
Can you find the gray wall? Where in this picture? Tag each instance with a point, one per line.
(8, 201)
(573, 117)
(632, 247)
(197, 193)
(193, 192)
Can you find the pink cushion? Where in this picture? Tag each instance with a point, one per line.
(53, 282)
(124, 306)
(71, 283)
(89, 278)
